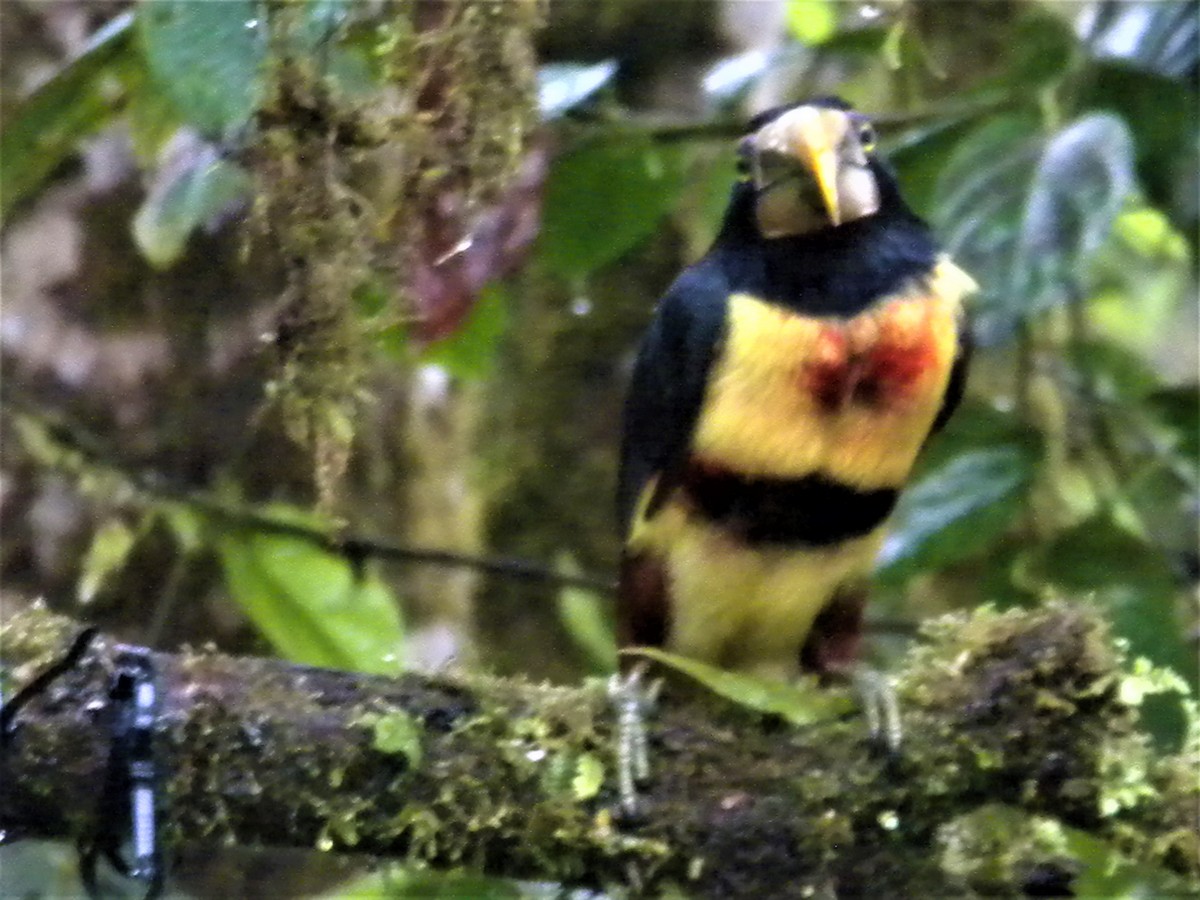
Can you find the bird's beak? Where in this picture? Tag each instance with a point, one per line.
(810, 137)
(814, 144)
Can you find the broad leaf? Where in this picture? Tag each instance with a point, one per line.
(312, 606)
(1163, 115)
(603, 198)
(1023, 212)
(798, 703)
(184, 201)
(208, 58)
(956, 510)
(44, 128)
(1161, 37)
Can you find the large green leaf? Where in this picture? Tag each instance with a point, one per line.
(185, 201)
(956, 510)
(43, 129)
(603, 198)
(799, 703)
(1163, 114)
(1023, 211)
(208, 58)
(312, 606)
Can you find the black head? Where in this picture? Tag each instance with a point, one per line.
(812, 167)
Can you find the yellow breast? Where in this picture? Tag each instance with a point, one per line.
(851, 398)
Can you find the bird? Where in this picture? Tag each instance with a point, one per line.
(778, 402)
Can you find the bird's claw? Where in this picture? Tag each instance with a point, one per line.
(633, 703)
(878, 695)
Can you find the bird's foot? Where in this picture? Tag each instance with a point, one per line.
(633, 701)
(878, 696)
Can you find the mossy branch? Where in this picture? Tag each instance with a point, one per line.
(515, 779)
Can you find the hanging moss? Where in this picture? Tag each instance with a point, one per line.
(376, 116)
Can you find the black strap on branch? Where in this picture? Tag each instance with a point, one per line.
(129, 795)
(39, 683)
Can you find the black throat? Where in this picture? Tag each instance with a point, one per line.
(837, 272)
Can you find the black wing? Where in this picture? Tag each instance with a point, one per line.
(668, 384)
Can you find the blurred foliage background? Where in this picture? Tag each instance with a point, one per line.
(276, 274)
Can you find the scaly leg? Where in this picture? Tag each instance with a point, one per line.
(633, 702)
(832, 651)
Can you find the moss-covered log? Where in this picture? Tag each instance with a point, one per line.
(1029, 710)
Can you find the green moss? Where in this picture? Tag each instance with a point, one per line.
(355, 145)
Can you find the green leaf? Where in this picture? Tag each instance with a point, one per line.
(468, 353)
(107, 554)
(604, 198)
(956, 511)
(800, 703)
(811, 21)
(208, 58)
(1023, 212)
(185, 201)
(311, 605)
(1163, 115)
(44, 128)
(585, 617)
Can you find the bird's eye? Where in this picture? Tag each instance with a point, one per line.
(866, 136)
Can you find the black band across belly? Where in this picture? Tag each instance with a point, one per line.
(812, 510)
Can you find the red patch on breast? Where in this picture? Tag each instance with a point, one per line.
(878, 374)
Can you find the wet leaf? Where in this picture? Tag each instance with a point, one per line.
(1161, 37)
(800, 703)
(732, 77)
(311, 605)
(564, 86)
(208, 58)
(604, 198)
(184, 202)
(957, 510)
(44, 128)
(1023, 212)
